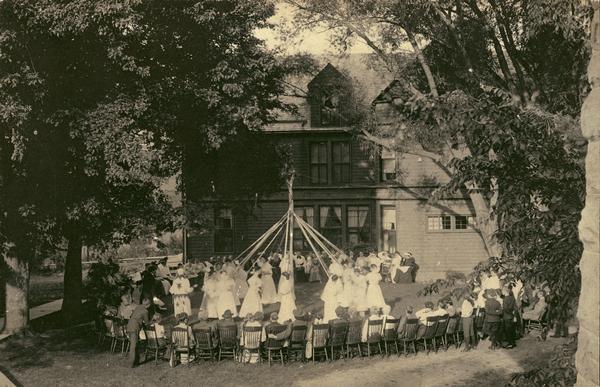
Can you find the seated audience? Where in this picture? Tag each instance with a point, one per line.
(127, 306)
(536, 311)
(375, 314)
(385, 314)
(422, 314)
(226, 320)
(182, 322)
(440, 310)
(340, 316)
(402, 323)
(156, 330)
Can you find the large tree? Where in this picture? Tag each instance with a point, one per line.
(102, 100)
(483, 101)
(77, 165)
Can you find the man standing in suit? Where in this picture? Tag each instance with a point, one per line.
(509, 314)
(493, 316)
(138, 317)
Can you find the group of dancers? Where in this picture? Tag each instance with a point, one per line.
(228, 286)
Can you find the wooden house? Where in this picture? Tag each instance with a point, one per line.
(356, 198)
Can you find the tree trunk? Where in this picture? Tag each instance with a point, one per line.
(423, 62)
(487, 224)
(17, 290)
(73, 283)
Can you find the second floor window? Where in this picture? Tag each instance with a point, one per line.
(388, 165)
(341, 162)
(224, 231)
(318, 163)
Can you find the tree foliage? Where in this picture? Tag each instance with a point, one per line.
(102, 101)
(482, 99)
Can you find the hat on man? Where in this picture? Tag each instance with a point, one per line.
(259, 316)
(227, 314)
(299, 314)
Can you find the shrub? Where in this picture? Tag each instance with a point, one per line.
(560, 371)
(106, 283)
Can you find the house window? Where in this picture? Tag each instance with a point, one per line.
(330, 114)
(330, 223)
(318, 163)
(341, 162)
(450, 222)
(440, 222)
(359, 230)
(224, 231)
(388, 165)
(307, 214)
(464, 222)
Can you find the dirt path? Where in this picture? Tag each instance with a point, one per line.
(482, 367)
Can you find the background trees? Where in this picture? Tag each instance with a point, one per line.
(483, 100)
(102, 101)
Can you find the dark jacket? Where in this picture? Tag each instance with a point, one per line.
(493, 310)
(509, 307)
(138, 316)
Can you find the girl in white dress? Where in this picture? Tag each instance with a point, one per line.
(330, 297)
(346, 300)
(226, 299)
(241, 284)
(210, 298)
(269, 293)
(286, 296)
(359, 291)
(251, 302)
(181, 289)
(374, 293)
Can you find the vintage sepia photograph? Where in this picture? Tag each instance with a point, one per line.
(300, 193)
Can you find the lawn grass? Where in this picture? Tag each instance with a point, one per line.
(71, 357)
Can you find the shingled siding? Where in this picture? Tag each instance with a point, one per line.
(437, 251)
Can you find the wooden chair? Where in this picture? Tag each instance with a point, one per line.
(119, 335)
(181, 343)
(539, 327)
(452, 330)
(320, 335)
(337, 339)
(440, 332)
(374, 336)
(429, 331)
(206, 344)
(353, 338)
(251, 341)
(409, 336)
(297, 343)
(154, 344)
(390, 335)
(274, 347)
(228, 342)
(107, 331)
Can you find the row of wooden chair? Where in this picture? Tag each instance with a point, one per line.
(327, 341)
